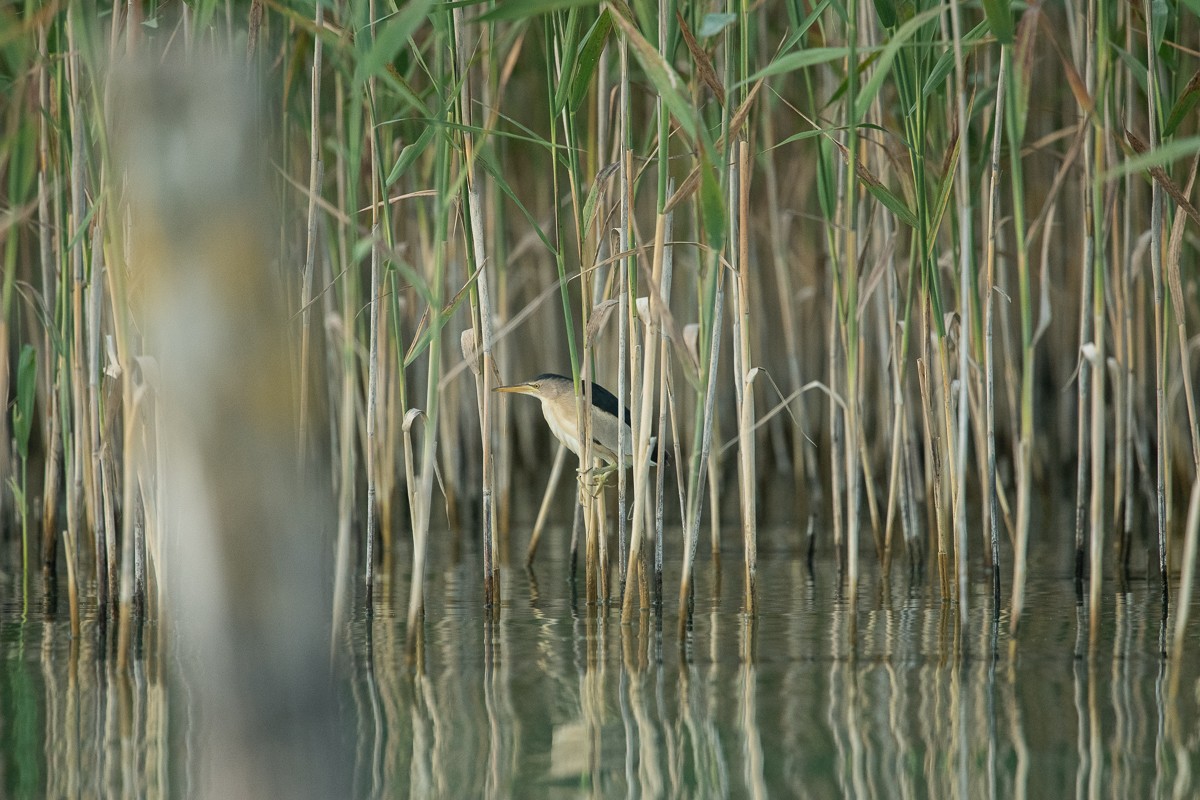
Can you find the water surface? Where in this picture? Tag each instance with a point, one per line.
(815, 697)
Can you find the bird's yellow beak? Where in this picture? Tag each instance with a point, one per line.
(517, 388)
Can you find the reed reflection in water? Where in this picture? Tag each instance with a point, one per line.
(557, 700)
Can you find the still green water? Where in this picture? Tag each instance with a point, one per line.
(552, 699)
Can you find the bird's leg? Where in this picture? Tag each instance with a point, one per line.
(595, 478)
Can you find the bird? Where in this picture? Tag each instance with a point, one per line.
(557, 393)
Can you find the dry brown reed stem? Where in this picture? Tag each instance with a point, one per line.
(837, 445)
(897, 476)
(484, 376)
(592, 502)
(389, 422)
(966, 255)
(505, 446)
(714, 493)
(641, 442)
(847, 260)
(418, 510)
(370, 446)
(624, 313)
(80, 505)
(342, 344)
(949, 471)
(1179, 304)
(127, 587)
(868, 489)
(72, 583)
(744, 373)
(664, 288)
(315, 174)
(1095, 355)
(1156, 254)
(1124, 423)
(636, 367)
(1096, 79)
(933, 460)
(623, 457)
(1187, 580)
(1174, 281)
(346, 460)
(100, 478)
(51, 365)
(1025, 442)
(891, 397)
(1083, 441)
(702, 462)
(836, 361)
(76, 501)
(481, 319)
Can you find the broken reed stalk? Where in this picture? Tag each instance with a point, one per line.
(418, 511)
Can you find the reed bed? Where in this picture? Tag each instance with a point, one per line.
(932, 264)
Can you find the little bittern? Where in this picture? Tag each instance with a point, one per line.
(557, 394)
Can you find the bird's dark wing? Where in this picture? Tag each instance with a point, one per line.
(606, 401)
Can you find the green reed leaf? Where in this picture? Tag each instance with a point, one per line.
(999, 17)
(22, 413)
